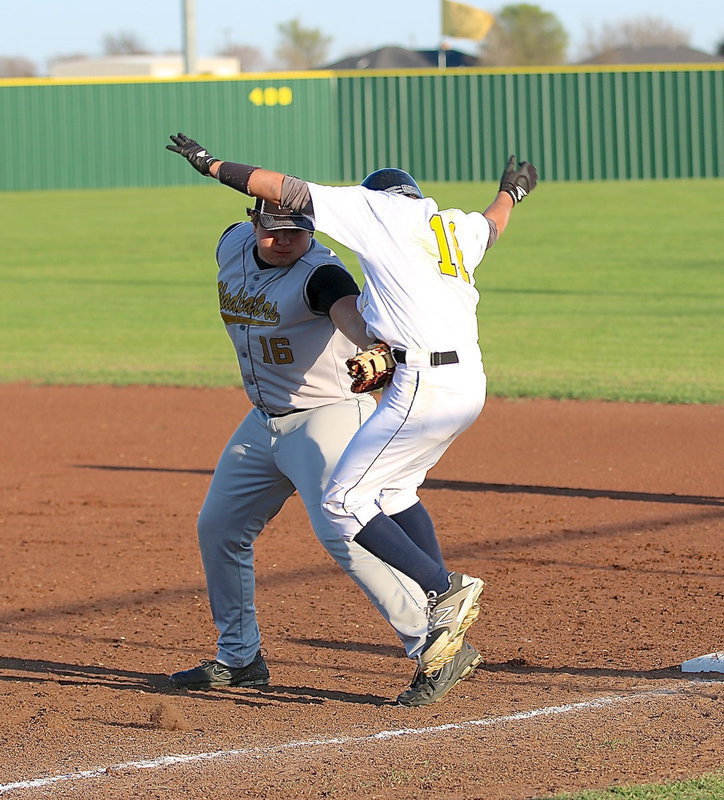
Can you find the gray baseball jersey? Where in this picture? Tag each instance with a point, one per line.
(257, 304)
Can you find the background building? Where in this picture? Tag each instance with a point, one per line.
(151, 66)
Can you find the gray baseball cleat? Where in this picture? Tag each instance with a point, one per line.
(427, 689)
(449, 615)
(213, 673)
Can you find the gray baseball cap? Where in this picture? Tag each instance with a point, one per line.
(274, 218)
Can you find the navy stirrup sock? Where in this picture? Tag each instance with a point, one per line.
(416, 523)
(384, 538)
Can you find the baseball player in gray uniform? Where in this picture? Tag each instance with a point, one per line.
(279, 290)
(417, 260)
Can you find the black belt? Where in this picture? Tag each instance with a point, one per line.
(436, 359)
(287, 413)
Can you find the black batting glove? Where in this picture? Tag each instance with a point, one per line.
(193, 152)
(518, 181)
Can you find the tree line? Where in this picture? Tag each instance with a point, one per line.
(523, 35)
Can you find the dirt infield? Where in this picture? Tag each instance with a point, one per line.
(598, 530)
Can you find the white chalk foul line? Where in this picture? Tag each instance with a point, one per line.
(167, 761)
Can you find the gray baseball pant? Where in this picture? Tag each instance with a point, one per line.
(264, 462)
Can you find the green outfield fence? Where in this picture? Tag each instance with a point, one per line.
(618, 123)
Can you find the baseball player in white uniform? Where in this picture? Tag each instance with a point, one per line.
(277, 286)
(419, 299)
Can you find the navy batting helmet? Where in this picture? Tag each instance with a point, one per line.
(394, 181)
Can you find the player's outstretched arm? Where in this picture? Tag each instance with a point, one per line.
(517, 182)
(499, 211)
(254, 181)
(266, 184)
(251, 180)
(199, 157)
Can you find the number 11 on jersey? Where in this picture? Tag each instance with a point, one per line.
(447, 244)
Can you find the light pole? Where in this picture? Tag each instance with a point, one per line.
(189, 36)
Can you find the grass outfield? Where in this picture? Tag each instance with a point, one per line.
(597, 290)
(709, 787)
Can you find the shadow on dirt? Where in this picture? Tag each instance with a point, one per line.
(73, 674)
(519, 666)
(563, 491)
(63, 674)
(474, 486)
(389, 651)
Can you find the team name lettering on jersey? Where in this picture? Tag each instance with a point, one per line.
(279, 340)
(246, 309)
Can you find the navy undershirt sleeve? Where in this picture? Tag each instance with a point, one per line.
(328, 284)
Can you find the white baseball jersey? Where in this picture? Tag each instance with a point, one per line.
(268, 319)
(420, 297)
(418, 262)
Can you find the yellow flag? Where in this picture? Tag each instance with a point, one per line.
(465, 22)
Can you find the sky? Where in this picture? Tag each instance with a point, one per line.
(40, 30)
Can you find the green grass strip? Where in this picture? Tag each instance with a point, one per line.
(708, 787)
(597, 290)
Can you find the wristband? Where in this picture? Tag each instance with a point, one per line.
(236, 176)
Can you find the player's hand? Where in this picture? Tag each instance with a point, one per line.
(193, 152)
(518, 181)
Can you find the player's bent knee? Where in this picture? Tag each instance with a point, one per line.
(332, 509)
(209, 532)
(342, 523)
(398, 501)
(332, 501)
(218, 530)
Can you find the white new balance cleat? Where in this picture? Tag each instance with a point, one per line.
(449, 615)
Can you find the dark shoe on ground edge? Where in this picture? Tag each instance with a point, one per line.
(212, 673)
(427, 689)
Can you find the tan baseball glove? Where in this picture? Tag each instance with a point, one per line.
(371, 369)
